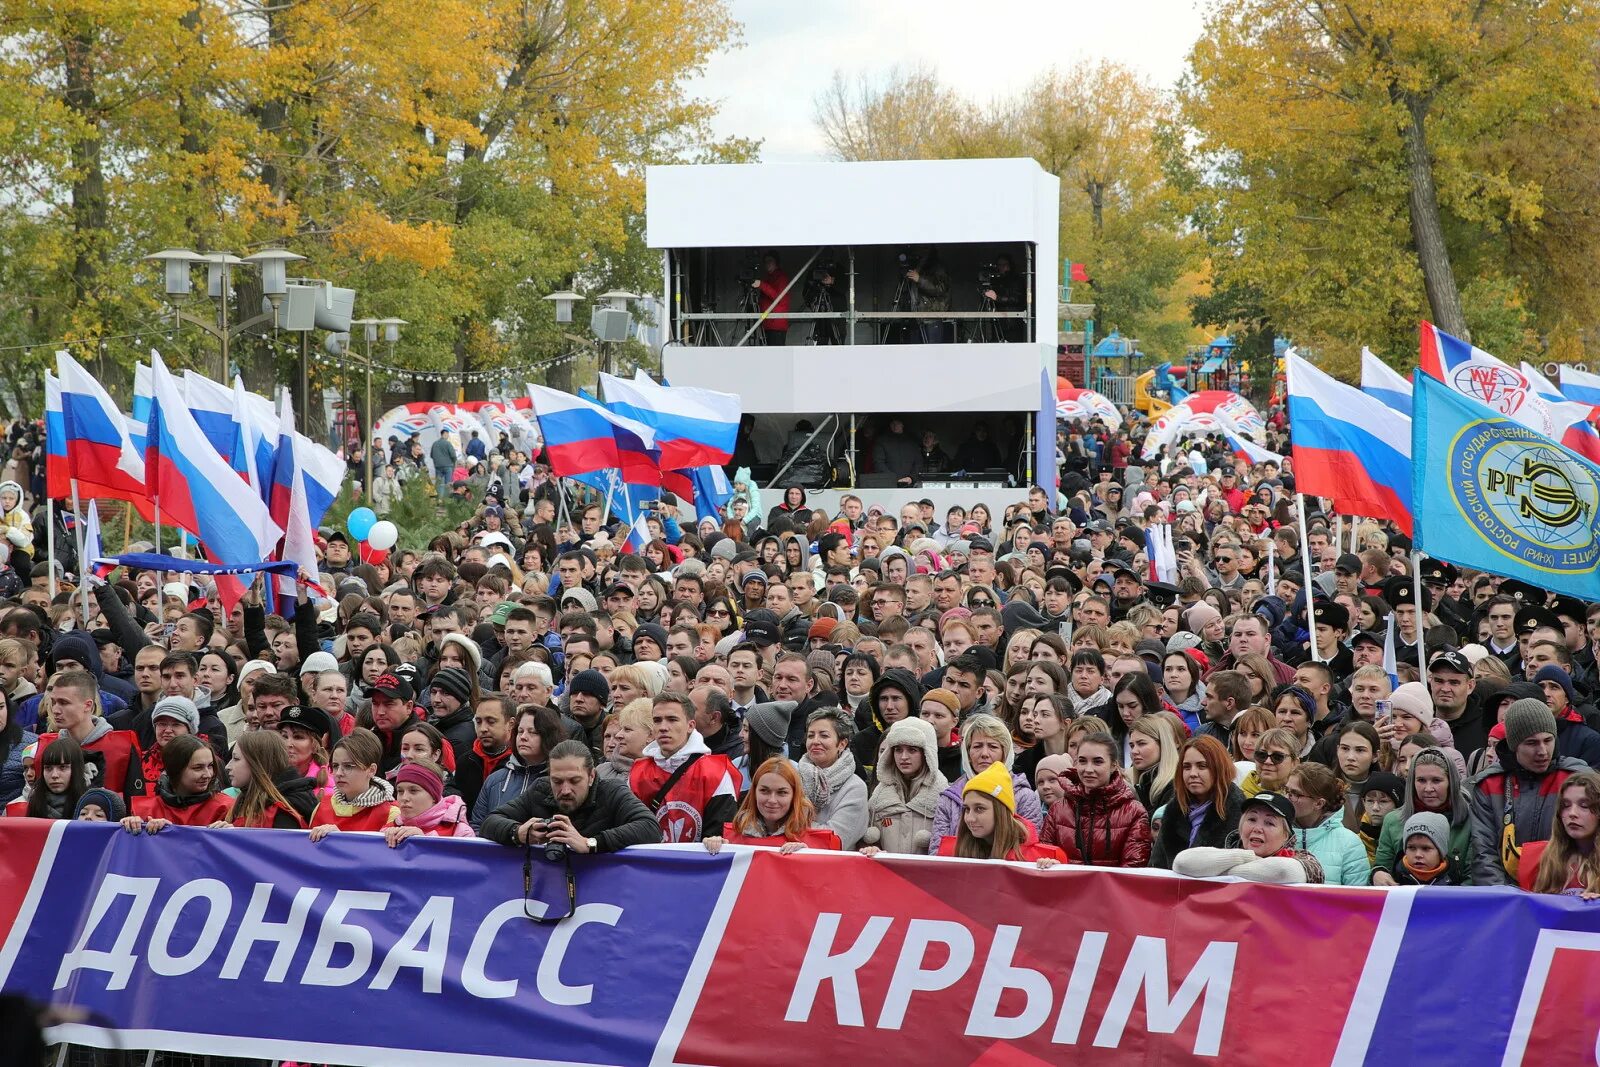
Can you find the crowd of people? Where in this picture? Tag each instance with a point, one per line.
(1006, 684)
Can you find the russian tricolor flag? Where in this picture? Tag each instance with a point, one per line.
(95, 445)
(58, 484)
(1348, 446)
(693, 427)
(292, 474)
(1383, 382)
(581, 436)
(1580, 386)
(198, 491)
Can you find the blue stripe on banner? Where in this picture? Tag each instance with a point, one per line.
(219, 428)
(1379, 462)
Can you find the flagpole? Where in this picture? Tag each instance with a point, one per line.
(50, 541)
(1305, 563)
(83, 569)
(1338, 533)
(1272, 566)
(611, 489)
(1422, 622)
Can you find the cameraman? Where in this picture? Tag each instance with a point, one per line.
(774, 288)
(1007, 292)
(571, 807)
(930, 292)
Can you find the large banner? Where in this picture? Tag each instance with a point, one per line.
(262, 944)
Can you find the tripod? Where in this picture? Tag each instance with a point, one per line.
(823, 331)
(706, 333)
(899, 331)
(986, 331)
(750, 304)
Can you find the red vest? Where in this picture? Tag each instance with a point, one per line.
(374, 818)
(681, 812)
(218, 807)
(815, 837)
(124, 764)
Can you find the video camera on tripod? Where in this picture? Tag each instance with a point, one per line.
(987, 275)
(824, 270)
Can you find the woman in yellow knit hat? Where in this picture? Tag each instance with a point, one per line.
(990, 827)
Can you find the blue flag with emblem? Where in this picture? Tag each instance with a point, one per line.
(1492, 494)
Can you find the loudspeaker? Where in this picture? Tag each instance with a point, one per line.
(334, 308)
(611, 324)
(298, 308)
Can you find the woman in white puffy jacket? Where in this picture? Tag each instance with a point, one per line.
(900, 810)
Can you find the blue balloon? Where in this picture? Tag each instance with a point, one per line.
(360, 523)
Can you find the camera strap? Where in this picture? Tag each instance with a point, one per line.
(666, 787)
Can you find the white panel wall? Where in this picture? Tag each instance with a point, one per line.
(865, 378)
(762, 205)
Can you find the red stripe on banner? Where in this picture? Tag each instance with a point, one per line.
(1355, 493)
(943, 961)
(26, 840)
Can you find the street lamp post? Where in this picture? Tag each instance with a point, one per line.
(219, 281)
(391, 334)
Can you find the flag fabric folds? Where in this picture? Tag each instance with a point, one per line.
(1580, 386)
(56, 480)
(291, 510)
(1494, 495)
(693, 427)
(95, 445)
(1383, 382)
(1506, 390)
(197, 489)
(1348, 446)
(581, 436)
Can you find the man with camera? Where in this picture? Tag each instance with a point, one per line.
(773, 285)
(573, 809)
(1006, 291)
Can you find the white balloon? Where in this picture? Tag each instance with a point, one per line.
(383, 534)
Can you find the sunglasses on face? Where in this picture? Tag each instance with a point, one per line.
(1272, 757)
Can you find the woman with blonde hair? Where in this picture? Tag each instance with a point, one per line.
(1154, 742)
(1245, 736)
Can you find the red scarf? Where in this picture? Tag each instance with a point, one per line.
(490, 763)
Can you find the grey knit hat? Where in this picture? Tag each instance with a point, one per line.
(1434, 825)
(770, 721)
(177, 707)
(1527, 717)
(1182, 641)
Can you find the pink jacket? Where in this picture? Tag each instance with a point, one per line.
(447, 818)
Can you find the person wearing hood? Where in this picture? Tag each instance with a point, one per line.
(1515, 803)
(894, 696)
(425, 810)
(1380, 794)
(538, 731)
(16, 526)
(1576, 739)
(691, 792)
(271, 794)
(1432, 785)
(112, 754)
(1099, 821)
(100, 805)
(185, 794)
(900, 809)
(985, 740)
(362, 799)
(76, 649)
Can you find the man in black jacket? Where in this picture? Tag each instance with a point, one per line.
(571, 806)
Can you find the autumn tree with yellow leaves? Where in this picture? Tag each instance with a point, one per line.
(1357, 166)
(452, 161)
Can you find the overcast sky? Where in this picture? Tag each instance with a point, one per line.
(982, 48)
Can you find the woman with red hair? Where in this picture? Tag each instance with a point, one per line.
(1205, 806)
(775, 812)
